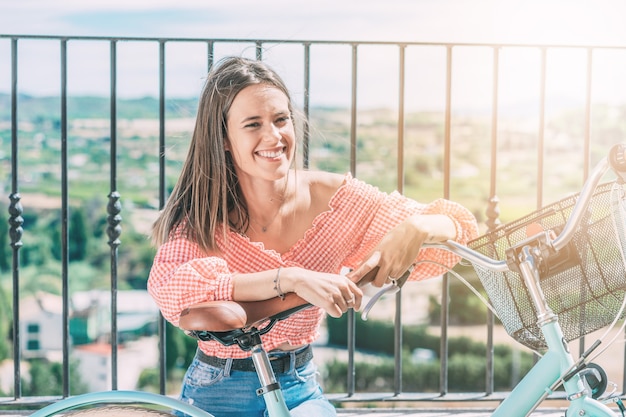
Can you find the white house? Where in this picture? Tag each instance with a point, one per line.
(41, 319)
(40, 326)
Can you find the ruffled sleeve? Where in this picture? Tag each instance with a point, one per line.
(183, 275)
(381, 212)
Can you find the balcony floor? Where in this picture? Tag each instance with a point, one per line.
(439, 412)
(397, 412)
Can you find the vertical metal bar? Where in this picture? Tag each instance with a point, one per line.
(445, 290)
(64, 225)
(351, 347)
(588, 105)
(210, 54)
(162, 198)
(113, 116)
(401, 126)
(353, 112)
(489, 371)
(351, 377)
(400, 186)
(448, 124)
(494, 128)
(623, 369)
(586, 147)
(162, 185)
(15, 230)
(443, 370)
(397, 346)
(540, 133)
(259, 50)
(114, 208)
(307, 86)
(493, 212)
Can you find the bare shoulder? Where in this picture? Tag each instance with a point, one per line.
(322, 185)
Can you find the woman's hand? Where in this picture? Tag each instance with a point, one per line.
(332, 292)
(399, 248)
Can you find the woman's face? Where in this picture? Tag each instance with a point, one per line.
(261, 136)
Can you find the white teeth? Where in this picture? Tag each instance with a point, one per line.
(270, 154)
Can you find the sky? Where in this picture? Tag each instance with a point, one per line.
(527, 21)
(550, 22)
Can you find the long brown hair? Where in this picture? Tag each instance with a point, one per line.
(208, 188)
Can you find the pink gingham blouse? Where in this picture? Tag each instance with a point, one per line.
(358, 218)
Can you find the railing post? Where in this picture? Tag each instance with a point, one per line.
(492, 212)
(114, 208)
(307, 96)
(351, 377)
(15, 226)
(353, 111)
(400, 187)
(259, 50)
(445, 296)
(162, 325)
(64, 225)
(541, 128)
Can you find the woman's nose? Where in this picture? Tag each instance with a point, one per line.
(272, 132)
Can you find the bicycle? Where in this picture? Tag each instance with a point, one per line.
(554, 276)
(522, 264)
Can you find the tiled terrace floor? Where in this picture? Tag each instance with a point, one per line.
(441, 412)
(398, 412)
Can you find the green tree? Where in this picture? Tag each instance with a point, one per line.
(5, 252)
(78, 235)
(180, 350)
(5, 324)
(46, 378)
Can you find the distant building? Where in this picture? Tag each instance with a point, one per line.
(41, 320)
(94, 360)
(137, 316)
(133, 357)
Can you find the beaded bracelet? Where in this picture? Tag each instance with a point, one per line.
(280, 292)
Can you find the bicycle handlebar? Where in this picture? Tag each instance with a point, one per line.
(616, 160)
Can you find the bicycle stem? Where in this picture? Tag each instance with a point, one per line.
(270, 388)
(530, 274)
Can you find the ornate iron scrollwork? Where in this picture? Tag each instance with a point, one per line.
(114, 220)
(16, 220)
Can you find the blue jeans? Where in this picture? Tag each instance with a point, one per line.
(226, 393)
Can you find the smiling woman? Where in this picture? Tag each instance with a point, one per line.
(240, 174)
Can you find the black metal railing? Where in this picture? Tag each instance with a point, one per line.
(394, 70)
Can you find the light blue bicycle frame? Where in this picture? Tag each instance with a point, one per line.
(557, 361)
(270, 390)
(119, 397)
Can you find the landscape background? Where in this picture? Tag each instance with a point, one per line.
(510, 23)
(137, 162)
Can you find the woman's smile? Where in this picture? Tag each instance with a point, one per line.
(271, 154)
